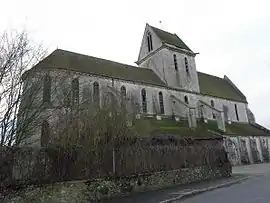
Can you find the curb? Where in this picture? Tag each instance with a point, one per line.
(199, 191)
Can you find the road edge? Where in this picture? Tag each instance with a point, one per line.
(199, 191)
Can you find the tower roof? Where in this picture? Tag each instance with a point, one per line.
(170, 38)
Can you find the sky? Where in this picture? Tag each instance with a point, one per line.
(232, 36)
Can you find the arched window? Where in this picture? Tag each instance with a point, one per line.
(47, 89)
(144, 102)
(75, 91)
(45, 131)
(175, 62)
(186, 66)
(186, 99)
(213, 105)
(161, 103)
(96, 93)
(123, 91)
(149, 42)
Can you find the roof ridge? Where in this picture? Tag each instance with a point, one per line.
(170, 38)
(226, 78)
(94, 57)
(210, 75)
(162, 30)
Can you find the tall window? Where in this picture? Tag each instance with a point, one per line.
(186, 66)
(47, 89)
(45, 129)
(186, 99)
(225, 110)
(213, 105)
(123, 92)
(96, 93)
(175, 62)
(149, 42)
(161, 103)
(236, 112)
(123, 96)
(75, 91)
(144, 102)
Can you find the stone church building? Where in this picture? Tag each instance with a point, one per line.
(166, 85)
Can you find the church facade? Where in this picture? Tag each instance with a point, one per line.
(166, 85)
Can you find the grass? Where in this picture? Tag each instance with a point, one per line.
(150, 126)
(146, 127)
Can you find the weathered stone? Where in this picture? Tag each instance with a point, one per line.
(85, 191)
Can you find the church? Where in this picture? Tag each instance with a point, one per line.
(166, 85)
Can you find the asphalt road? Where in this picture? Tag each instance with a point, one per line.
(254, 190)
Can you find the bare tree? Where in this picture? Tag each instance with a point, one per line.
(87, 122)
(17, 54)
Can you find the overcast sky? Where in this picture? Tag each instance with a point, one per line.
(232, 36)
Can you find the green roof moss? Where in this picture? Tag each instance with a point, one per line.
(244, 129)
(151, 126)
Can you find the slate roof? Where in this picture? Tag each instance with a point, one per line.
(219, 87)
(61, 59)
(87, 64)
(170, 38)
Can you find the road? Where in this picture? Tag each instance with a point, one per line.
(254, 190)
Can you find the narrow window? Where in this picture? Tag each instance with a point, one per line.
(225, 110)
(175, 62)
(149, 42)
(186, 66)
(45, 128)
(75, 91)
(144, 102)
(186, 99)
(96, 93)
(47, 89)
(161, 103)
(213, 105)
(123, 92)
(236, 112)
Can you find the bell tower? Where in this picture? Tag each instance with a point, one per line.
(170, 58)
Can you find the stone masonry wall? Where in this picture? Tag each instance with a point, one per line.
(247, 149)
(85, 191)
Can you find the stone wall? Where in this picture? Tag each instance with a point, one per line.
(247, 149)
(218, 102)
(85, 191)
